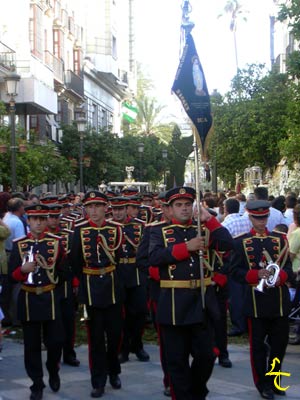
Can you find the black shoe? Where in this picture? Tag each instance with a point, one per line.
(267, 394)
(97, 392)
(225, 362)
(167, 391)
(72, 361)
(54, 382)
(235, 332)
(36, 394)
(115, 381)
(123, 358)
(278, 392)
(142, 355)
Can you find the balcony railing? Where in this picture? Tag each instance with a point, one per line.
(56, 65)
(74, 82)
(7, 57)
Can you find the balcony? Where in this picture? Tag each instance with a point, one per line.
(56, 65)
(74, 83)
(7, 58)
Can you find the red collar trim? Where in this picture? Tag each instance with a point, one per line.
(254, 233)
(41, 236)
(176, 222)
(95, 225)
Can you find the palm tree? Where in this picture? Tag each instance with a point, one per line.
(235, 9)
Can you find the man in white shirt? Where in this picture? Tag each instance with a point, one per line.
(12, 219)
(290, 202)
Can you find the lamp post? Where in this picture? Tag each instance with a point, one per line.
(12, 88)
(141, 151)
(81, 123)
(164, 156)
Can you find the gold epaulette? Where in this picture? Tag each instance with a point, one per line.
(85, 222)
(67, 230)
(20, 238)
(155, 223)
(139, 220)
(114, 222)
(53, 235)
(240, 235)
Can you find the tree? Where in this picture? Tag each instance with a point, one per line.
(250, 122)
(39, 163)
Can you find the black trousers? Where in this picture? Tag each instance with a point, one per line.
(104, 340)
(135, 305)
(52, 334)
(268, 338)
(236, 303)
(181, 342)
(220, 325)
(68, 317)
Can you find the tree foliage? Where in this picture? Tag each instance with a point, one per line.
(249, 122)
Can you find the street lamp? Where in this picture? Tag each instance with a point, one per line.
(164, 156)
(12, 88)
(81, 123)
(141, 151)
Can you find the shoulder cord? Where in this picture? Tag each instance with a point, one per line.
(108, 250)
(42, 263)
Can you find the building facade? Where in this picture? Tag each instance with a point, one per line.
(73, 57)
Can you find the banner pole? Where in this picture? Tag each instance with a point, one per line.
(198, 203)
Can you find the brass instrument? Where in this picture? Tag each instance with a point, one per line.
(29, 257)
(272, 278)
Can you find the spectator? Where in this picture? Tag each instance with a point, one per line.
(279, 203)
(276, 217)
(290, 202)
(242, 199)
(17, 229)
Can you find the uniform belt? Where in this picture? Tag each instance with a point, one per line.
(125, 260)
(38, 289)
(190, 284)
(98, 271)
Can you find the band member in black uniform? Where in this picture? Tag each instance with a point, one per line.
(153, 283)
(93, 257)
(67, 287)
(36, 260)
(133, 282)
(267, 301)
(186, 327)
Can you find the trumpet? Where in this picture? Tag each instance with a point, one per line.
(272, 278)
(29, 257)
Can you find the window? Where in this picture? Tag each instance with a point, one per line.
(114, 47)
(94, 116)
(77, 61)
(58, 43)
(33, 122)
(36, 30)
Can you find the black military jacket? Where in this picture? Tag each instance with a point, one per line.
(251, 253)
(142, 259)
(93, 259)
(65, 285)
(145, 214)
(128, 271)
(38, 301)
(183, 305)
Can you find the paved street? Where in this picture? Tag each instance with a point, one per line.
(141, 380)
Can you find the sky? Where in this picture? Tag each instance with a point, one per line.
(158, 41)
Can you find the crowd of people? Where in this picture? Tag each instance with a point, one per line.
(124, 256)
